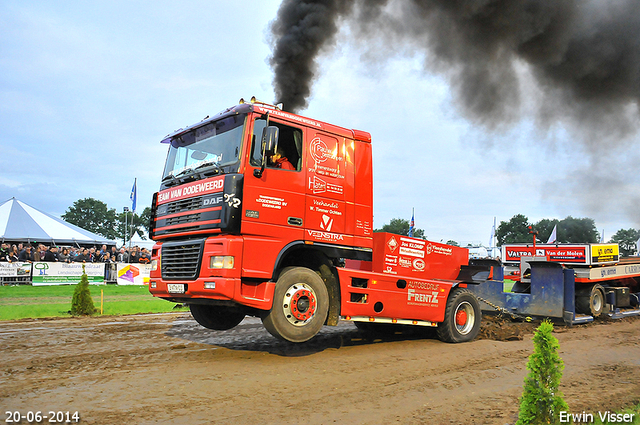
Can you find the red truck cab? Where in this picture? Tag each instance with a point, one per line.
(237, 233)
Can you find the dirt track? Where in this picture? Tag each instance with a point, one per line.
(167, 369)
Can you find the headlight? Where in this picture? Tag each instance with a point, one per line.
(221, 262)
(155, 265)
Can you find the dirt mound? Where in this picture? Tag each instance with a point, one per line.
(500, 328)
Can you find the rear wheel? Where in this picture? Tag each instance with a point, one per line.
(462, 317)
(300, 305)
(216, 317)
(590, 300)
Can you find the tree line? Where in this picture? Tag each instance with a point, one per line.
(94, 215)
(569, 230)
(518, 230)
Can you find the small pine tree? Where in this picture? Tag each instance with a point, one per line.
(542, 401)
(82, 303)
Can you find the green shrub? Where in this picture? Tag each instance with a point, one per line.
(82, 303)
(542, 401)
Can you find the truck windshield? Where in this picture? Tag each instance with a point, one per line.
(205, 151)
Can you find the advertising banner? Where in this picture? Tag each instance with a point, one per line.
(584, 254)
(15, 269)
(605, 253)
(133, 274)
(66, 273)
(576, 254)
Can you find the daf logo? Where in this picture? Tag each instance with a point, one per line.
(212, 200)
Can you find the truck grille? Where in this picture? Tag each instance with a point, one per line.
(184, 205)
(183, 219)
(181, 260)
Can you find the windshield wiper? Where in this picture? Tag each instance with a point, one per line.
(210, 163)
(173, 178)
(182, 175)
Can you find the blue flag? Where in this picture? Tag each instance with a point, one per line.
(134, 195)
(411, 225)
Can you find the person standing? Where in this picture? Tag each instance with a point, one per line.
(4, 253)
(123, 256)
(134, 256)
(26, 255)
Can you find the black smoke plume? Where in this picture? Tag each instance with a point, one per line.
(582, 56)
(303, 28)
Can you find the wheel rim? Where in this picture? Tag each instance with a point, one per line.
(464, 318)
(299, 304)
(597, 301)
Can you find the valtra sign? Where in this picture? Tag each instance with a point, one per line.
(567, 254)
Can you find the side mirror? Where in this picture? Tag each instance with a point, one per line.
(270, 136)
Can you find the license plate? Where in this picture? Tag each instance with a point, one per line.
(175, 288)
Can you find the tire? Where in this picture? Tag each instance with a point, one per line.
(300, 305)
(462, 317)
(215, 317)
(591, 300)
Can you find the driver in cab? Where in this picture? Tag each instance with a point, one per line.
(279, 160)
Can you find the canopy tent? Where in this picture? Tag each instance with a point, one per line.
(20, 222)
(136, 240)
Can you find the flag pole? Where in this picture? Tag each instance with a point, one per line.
(133, 197)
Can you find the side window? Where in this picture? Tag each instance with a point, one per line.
(288, 153)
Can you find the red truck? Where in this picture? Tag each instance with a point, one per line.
(266, 213)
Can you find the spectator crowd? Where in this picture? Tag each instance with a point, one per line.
(29, 254)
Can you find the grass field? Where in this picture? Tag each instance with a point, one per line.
(32, 302)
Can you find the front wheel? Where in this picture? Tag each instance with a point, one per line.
(462, 317)
(300, 305)
(216, 317)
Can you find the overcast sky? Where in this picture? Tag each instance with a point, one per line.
(88, 90)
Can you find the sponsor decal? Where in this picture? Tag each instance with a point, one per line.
(405, 262)
(201, 187)
(392, 244)
(438, 249)
(419, 264)
(417, 298)
(390, 270)
(423, 293)
(271, 202)
(412, 247)
(604, 253)
(319, 150)
(562, 254)
(291, 117)
(326, 223)
(631, 269)
(391, 259)
(317, 234)
(317, 185)
(364, 226)
(231, 200)
(320, 153)
(608, 272)
(411, 252)
(211, 200)
(331, 208)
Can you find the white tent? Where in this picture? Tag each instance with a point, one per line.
(20, 222)
(136, 240)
